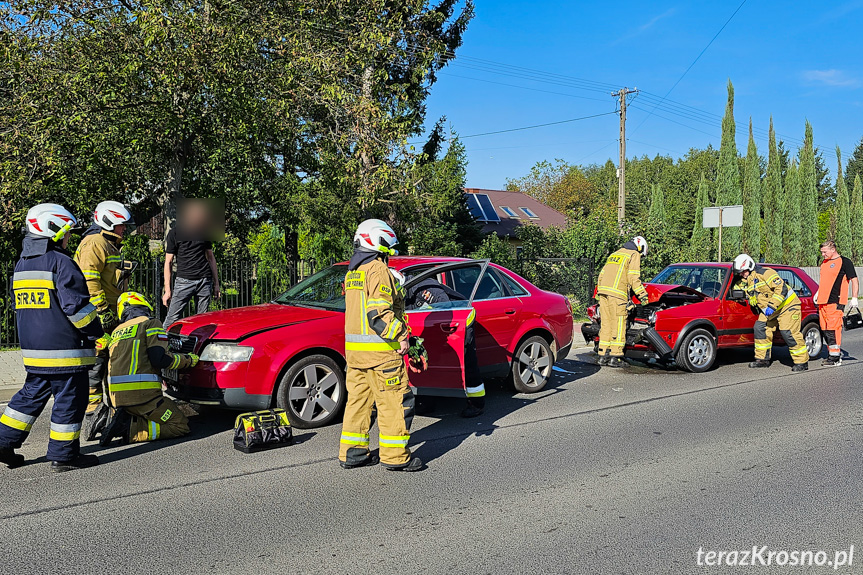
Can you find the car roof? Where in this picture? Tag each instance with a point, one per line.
(727, 265)
(401, 262)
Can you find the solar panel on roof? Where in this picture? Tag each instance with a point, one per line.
(487, 207)
(475, 209)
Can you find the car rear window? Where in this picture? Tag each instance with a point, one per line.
(795, 282)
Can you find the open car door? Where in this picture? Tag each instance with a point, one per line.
(442, 327)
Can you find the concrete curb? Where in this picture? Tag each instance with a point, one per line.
(7, 391)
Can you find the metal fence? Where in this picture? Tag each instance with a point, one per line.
(242, 283)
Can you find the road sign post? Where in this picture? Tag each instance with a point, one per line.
(722, 217)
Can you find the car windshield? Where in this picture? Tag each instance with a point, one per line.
(324, 289)
(706, 279)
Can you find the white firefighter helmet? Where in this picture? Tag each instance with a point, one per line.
(640, 245)
(743, 263)
(399, 277)
(376, 236)
(111, 214)
(51, 221)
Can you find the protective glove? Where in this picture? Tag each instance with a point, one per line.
(417, 355)
(768, 311)
(815, 298)
(109, 320)
(854, 302)
(194, 359)
(644, 300)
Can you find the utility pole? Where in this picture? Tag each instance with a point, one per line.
(621, 170)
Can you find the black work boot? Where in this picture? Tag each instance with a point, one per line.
(800, 367)
(367, 462)
(79, 462)
(118, 426)
(604, 360)
(617, 362)
(10, 458)
(832, 361)
(94, 422)
(475, 407)
(760, 363)
(415, 464)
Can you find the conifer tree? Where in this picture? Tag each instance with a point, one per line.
(751, 234)
(700, 246)
(857, 220)
(841, 211)
(774, 202)
(728, 192)
(807, 181)
(792, 225)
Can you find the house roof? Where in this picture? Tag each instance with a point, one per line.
(515, 209)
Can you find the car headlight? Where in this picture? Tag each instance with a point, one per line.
(652, 318)
(225, 352)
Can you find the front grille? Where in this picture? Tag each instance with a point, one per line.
(182, 343)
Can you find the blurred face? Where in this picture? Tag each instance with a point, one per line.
(828, 252)
(64, 243)
(120, 229)
(745, 274)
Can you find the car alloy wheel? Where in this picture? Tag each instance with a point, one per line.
(700, 351)
(312, 392)
(532, 365)
(812, 338)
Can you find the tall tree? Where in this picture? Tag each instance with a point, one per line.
(855, 163)
(807, 180)
(656, 216)
(728, 190)
(774, 202)
(793, 224)
(751, 234)
(857, 219)
(842, 210)
(700, 246)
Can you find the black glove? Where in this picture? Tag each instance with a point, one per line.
(109, 320)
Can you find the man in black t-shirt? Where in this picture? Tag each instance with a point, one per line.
(197, 275)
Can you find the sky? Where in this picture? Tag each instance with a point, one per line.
(534, 62)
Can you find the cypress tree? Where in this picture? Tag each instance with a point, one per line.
(728, 192)
(857, 219)
(700, 246)
(806, 178)
(792, 226)
(774, 202)
(656, 214)
(751, 234)
(855, 163)
(841, 211)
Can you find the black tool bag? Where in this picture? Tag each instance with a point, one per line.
(259, 430)
(854, 319)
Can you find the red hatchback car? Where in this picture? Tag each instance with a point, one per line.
(290, 352)
(693, 312)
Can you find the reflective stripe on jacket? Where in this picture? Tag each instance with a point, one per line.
(766, 289)
(132, 379)
(101, 263)
(57, 324)
(374, 316)
(621, 273)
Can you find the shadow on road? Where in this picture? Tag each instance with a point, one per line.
(450, 430)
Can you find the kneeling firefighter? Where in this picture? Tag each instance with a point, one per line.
(780, 309)
(620, 275)
(376, 340)
(138, 351)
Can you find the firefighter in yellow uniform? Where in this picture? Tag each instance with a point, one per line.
(376, 340)
(620, 276)
(780, 309)
(98, 256)
(138, 351)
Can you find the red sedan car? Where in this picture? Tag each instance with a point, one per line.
(290, 352)
(693, 312)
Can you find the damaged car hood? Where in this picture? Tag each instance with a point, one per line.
(662, 292)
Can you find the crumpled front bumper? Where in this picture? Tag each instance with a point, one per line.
(641, 341)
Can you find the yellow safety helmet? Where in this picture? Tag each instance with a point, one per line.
(131, 298)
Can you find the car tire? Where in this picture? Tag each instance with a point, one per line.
(697, 351)
(531, 365)
(814, 339)
(313, 392)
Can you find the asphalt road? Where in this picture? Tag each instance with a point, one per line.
(605, 472)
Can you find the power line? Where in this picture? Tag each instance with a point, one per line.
(536, 126)
(520, 87)
(715, 36)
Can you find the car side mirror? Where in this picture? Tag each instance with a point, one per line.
(738, 295)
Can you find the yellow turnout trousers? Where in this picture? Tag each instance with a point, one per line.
(385, 386)
(612, 325)
(159, 418)
(787, 321)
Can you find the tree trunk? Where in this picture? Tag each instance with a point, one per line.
(172, 191)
